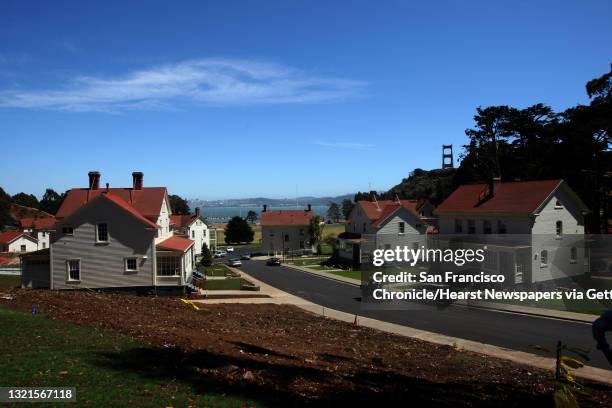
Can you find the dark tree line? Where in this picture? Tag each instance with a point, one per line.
(533, 143)
(49, 203)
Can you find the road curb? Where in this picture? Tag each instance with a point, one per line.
(331, 276)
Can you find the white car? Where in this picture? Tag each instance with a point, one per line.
(220, 254)
(229, 249)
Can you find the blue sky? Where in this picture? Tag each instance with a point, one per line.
(228, 99)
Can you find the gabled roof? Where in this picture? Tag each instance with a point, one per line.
(9, 236)
(122, 204)
(146, 201)
(516, 197)
(182, 220)
(175, 243)
(286, 217)
(38, 223)
(379, 211)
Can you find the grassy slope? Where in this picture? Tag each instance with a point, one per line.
(40, 352)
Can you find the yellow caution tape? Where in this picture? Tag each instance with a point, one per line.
(189, 302)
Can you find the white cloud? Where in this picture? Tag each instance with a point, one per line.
(346, 145)
(208, 82)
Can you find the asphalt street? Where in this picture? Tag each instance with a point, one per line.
(510, 330)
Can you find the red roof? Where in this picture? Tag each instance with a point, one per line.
(379, 211)
(175, 243)
(286, 217)
(182, 220)
(7, 260)
(9, 236)
(38, 223)
(147, 201)
(118, 201)
(517, 197)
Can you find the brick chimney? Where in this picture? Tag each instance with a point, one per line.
(265, 207)
(309, 207)
(94, 180)
(197, 212)
(137, 177)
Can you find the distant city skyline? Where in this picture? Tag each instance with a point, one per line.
(237, 99)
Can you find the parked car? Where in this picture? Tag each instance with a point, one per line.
(220, 254)
(273, 262)
(245, 257)
(234, 262)
(229, 249)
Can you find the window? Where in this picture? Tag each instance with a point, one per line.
(44, 245)
(471, 226)
(23, 248)
(573, 255)
(131, 264)
(301, 232)
(286, 237)
(544, 257)
(558, 205)
(490, 260)
(168, 265)
(74, 269)
(102, 233)
(501, 227)
(458, 227)
(193, 234)
(204, 233)
(559, 228)
(44, 233)
(401, 227)
(486, 226)
(67, 231)
(364, 227)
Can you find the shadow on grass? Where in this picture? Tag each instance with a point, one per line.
(286, 384)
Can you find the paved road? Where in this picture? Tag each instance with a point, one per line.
(509, 330)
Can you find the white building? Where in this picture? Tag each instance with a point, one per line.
(17, 241)
(192, 227)
(534, 230)
(384, 224)
(40, 228)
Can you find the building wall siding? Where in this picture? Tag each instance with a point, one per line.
(273, 238)
(103, 265)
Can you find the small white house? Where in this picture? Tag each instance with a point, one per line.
(17, 241)
(384, 224)
(534, 230)
(40, 228)
(192, 227)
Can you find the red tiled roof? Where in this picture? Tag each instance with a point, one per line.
(147, 201)
(175, 243)
(9, 236)
(118, 201)
(8, 260)
(286, 217)
(517, 197)
(37, 223)
(182, 220)
(379, 211)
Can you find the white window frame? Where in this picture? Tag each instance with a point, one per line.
(98, 240)
(125, 261)
(68, 277)
(543, 258)
(558, 229)
(401, 227)
(558, 205)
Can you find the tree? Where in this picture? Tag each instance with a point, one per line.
(347, 207)
(5, 207)
(51, 201)
(207, 256)
(238, 230)
(315, 230)
(333, 212)
(179, 205)
(251, 216)
(27, 200)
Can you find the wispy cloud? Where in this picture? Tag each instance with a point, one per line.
(208, 82)
(345, 145)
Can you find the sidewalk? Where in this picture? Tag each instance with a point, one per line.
(502, 307)
(278, 296)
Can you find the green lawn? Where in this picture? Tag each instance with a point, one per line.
(37, 351)
(223, 284)
(9, 281)
(216, 269)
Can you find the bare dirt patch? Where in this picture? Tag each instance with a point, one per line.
(282, 355)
